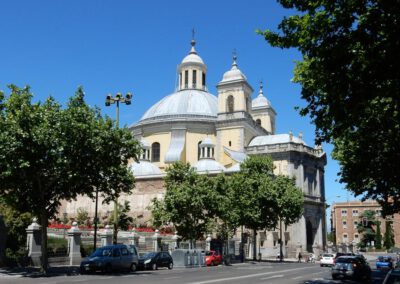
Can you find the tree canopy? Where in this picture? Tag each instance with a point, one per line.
(49, 153)
(350, 78)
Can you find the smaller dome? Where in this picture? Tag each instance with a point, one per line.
(144, 168)
(234, 74)
(145, 144)
(208, 165)
(260, 101)
(207, 142)
(192, 57)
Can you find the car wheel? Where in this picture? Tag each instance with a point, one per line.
(82, 270)
(334, 277)
(170, 265)
(321, 265)
(133, 267)
(154, 266)
(108, 268)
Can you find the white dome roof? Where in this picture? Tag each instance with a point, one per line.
(260, 101)
(188, 102)
(192, 58)
(208, 165)
(144, 168)
(234, 74)
(275, 139)
(206, 142)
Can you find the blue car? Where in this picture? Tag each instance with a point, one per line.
(384, 262)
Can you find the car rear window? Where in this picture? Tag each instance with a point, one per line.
(346, 260)
(327, 255)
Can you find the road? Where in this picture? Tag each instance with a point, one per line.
(248, 273)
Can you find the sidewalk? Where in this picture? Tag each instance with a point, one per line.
(35, 271)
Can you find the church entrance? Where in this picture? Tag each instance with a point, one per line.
(310, 235)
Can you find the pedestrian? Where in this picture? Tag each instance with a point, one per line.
(300, 257)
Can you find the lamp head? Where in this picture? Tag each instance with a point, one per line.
(108, 100)
(128, 98)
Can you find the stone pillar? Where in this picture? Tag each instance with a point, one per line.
(175, 240)
(208, 242)
(74, 244)
(106, 236)
(134, 238)
(156, 240)
(34, 242)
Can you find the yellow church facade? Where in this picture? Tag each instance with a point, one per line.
(215, 133)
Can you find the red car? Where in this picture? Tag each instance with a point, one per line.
(213, 258)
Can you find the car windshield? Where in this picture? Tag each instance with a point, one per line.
(327, 255)
(149, 255)
(101, 252)
(393, 279)
(384, 259)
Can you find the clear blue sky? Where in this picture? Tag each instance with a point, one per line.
(111, 46)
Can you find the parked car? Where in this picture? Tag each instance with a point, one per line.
(154, 260)
(351, 267)
(339, 254)
(384, 262)
(392, 277)
(110, 258)
(213, 258)
(327, 259)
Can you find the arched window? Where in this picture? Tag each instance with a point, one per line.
(258, 121)
(230, 102)
(155, 152)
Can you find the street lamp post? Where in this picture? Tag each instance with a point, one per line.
(117, 100)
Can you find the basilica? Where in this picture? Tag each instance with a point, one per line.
(216, 133)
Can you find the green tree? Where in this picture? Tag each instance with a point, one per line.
(49, 153)
(124, 219)
(378, 235)
(330, 237)
(350, 78)
(82, 216)
(185, 203)
(366, 228)
(261, 200)
(388, 237)
(16, 223)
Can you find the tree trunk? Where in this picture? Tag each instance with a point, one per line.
(254, 244)
(43, 223)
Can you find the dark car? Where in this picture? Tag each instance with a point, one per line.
(339, 254)
(392, 277)
(154, 260)
(384, 262)
(110, 258)
(351, 267)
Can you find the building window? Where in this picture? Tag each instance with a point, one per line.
(186, 78)
(344, 223)
(258, 122)
(194, 78)
(344, 212)
(355, 212)
(355, 223)
(155, 152)
(180, 80)
(230, 104)
(198, 150)
(344, 237)
(356, 237)
(204, 79)
(378, 212)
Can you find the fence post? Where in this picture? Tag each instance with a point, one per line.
(175, 240)
(34, 242)
(106, 236)
(156, 239)
(74, 244)
(134, 238)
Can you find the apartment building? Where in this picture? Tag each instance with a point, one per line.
(345, 216)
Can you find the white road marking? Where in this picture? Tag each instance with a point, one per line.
(175, 277)
(272, 277)
(246, 276)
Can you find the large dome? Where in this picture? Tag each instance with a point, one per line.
(186, 103)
